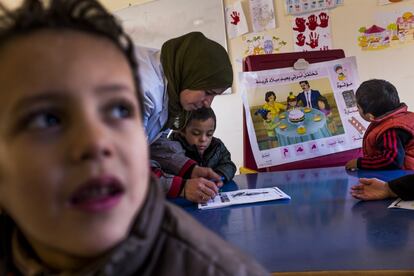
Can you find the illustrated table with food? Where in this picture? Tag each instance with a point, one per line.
(301, 125)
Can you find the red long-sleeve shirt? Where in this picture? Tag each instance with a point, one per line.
(392, 146)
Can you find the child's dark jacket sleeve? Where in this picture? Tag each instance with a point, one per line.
(172, 185)
(171, 157)
(403, 187)
(391, 144)
(224, 166)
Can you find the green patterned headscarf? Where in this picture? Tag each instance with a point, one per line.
(194, 62)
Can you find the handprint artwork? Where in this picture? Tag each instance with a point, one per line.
(312, 32)
(312, 22)
(324, 18)
(300, 39)
(235, 16)
(235, 20)
(313, 40)
(300, 24)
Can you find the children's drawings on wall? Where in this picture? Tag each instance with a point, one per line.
(262, 13)
(312, 32)
(294, 115)
(261, 44)
(386, 2)
(235, 20)
(295, 7)
(393, 29)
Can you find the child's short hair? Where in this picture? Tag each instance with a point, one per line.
(337, 67)
(268, 94)
(87, 16)
(202, 114)
(377, 97)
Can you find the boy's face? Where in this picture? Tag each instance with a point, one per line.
(199, 133)
(73, 153)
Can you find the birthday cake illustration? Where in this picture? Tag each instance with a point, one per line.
(296, 116)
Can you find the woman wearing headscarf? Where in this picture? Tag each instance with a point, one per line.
(185, 75)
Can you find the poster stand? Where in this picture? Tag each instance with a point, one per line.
(298, 61)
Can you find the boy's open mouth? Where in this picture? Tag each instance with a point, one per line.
(98, 194)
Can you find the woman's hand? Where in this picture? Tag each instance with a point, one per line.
(371, 189)
(207, 173)
(200, 190)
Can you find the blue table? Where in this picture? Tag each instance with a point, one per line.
(322, 228)
(314, 130)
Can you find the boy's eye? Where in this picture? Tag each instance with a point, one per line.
(120, 111)
(196, 133)
(43, 121)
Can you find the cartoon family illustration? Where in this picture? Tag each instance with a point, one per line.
(275, 114)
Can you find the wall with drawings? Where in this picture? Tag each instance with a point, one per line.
(393, 64)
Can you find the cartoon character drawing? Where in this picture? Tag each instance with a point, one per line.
(340, 71)
(324, 106)
(269, 125)
(271, 104)
(268, 46)
(291, 102)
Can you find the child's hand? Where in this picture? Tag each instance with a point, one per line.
(351, 165)
(200, 190)
(371, 189)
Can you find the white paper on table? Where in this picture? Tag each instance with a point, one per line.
(244, 196)
(399, 203)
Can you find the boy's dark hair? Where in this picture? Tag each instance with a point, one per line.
(202, 114)
(377, 97)
(325, 101)
(305, 82)
(87, 16)
(268, 94)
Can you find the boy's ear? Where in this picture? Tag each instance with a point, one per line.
(370, 117)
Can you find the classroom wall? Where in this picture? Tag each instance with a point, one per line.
(393, 64)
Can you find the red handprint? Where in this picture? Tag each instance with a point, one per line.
(300, 24)
(301, 39)
(324, 18)
(312, 22)
(235, 16)
(314, 40)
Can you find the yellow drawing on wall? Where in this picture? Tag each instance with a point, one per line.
(395, 33)
(261, 44)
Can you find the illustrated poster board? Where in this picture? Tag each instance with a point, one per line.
(305, 131)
